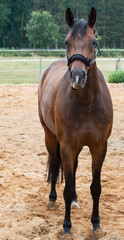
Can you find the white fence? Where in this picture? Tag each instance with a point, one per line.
(29, 69)
(55, 50)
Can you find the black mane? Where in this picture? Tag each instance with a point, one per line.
(80, 27)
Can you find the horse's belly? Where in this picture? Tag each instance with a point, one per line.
(46, 106)
(48, 96)
(48, 121)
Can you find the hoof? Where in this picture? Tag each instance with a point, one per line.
(98, 233)
(75, 205)
(65, 236)
(51, 205)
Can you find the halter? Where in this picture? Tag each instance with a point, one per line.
(81, 58)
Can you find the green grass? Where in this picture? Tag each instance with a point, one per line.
(116, 77)
(28, 72)
(21, 72)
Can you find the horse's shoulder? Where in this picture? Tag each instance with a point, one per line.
(55, 68)
(58, 65)
(102, 82)
(100, 75)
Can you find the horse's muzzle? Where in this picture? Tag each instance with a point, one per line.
(78, 79)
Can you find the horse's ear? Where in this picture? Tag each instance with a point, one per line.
(69, 17)
(92, 17)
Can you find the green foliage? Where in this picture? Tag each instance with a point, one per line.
(22, 53)
(16, 54)
(33, 27)
(52, 54)
(116, 77)
(56, 53)
(15, 22)
(112, 53)
(4, 17)
(42, 30)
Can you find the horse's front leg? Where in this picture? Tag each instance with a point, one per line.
(68, 156)
(74, 202)
(98, 155)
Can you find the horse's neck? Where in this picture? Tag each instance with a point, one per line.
(92, 80)
(91, 89)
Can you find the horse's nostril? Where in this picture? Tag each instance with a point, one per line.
(71, 74)
(83, 74)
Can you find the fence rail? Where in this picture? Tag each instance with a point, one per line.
(54, 50)
(28, 60)
(28, 70)
(55, 59)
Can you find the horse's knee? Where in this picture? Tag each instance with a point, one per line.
(69, 194)
(69, 191)
(95, 189)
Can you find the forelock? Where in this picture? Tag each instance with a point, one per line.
(80, 27)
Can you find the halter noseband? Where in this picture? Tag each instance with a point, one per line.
(81, 58)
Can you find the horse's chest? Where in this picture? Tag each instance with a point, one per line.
(89, 128)
(88, 132)
(85, 128)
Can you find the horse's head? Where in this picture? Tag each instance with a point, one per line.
(80, 43)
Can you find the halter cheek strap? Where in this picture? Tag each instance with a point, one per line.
(81, 58)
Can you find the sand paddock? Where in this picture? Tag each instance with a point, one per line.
(23, 188)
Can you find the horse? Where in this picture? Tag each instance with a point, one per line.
(75, 110)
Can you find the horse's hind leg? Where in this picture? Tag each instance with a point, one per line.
(53, 164)
(98, 155)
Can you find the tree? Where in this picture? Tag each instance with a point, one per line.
(4, 19)
(41, 29)
(15, 16)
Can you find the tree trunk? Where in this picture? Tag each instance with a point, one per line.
(104, 44)
(76, 3)
(114, 44)
(22, 20)
(104, 22)
(122, 42)
(56, 45)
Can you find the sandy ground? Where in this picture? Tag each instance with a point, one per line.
(23, 188)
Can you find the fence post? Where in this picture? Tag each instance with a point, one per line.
(40, 67)
(118, 65)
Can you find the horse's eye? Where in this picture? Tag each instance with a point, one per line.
(66, 43)
(94, 43)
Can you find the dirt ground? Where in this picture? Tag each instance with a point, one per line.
(23, 187)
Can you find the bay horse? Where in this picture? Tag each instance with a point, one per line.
(75, 110)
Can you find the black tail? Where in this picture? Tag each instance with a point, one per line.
(55, 166)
